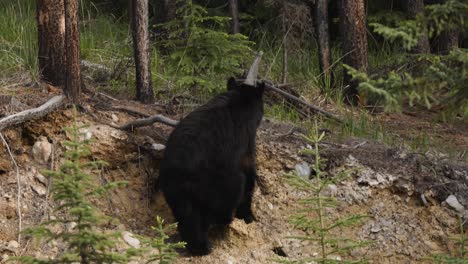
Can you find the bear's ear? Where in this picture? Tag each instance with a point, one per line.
(231, 84)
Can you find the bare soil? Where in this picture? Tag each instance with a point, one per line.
(388, 187)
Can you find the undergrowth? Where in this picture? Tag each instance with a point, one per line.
(316, 218)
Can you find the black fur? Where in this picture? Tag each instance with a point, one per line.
(208, 172)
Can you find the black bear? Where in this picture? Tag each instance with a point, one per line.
(208, 172)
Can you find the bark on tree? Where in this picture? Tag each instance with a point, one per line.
(284, 30)
(448, 40)
(51, 38)
(234, 13)
(164, 11)
(414, 8)
(354, 42)
(72, 36)
(319, 12)
(144, 86)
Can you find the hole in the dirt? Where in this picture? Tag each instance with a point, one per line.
(279, 251)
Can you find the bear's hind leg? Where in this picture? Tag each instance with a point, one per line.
(193, 229)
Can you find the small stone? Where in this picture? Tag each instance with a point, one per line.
(39, 189)
(270, 206)
(303, 169)
(114, 118)
(158, 147)
(41, 150)
(70, 226)
(130, 239)
(331, 190)
(5, 257)
(13, 244)
(375, 229)
(41, 178)
(453, 202)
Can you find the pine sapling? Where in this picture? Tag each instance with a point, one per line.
(314, 218)
(165, 251)
(73, 190)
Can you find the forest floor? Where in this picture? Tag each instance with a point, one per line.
(388, 185)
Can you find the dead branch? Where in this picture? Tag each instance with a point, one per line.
(18, 184)
(297, 99)
(149, 121)
(33, 113)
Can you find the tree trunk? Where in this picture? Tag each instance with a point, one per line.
(319, 12)
(284, 30)
(72, 36)
(144, 86)
(164, 11)
(414, 8)
(51, 40)
(354, 42)
(448, 40)
(234, 13)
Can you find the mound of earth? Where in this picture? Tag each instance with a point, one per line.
(403, 193)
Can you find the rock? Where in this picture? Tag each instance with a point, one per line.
(41, 178)
(114, 118)
(70, 226)
(453, 202)
(303, 169)
(270, 206)
(13, 244)
(130, 239)
(39, 189)
(41, 150)
(158, 147)
(4, 258)
(331, 190)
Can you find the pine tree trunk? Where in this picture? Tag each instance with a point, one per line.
(144, 86)
(448, 40)
(234, 13)
(72, 36)
(320, 15)
(354, 42)
(284, 31)
(51, 38)
(414, 8)
(165, 11)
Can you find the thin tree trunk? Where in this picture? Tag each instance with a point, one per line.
(284, 30)
(415, 8)
(51, 38)
(144, 86)
(234, 13)
(448, 40)
(165, 11)
(72, 36)
(320, 16)
(354, 42)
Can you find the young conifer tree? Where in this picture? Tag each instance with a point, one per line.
(73, 191)
(315, 219)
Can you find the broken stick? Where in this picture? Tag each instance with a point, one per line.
(33, 113)
(149, 121)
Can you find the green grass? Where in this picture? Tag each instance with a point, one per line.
(18, 38)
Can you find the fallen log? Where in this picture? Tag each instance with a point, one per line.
(34, 113)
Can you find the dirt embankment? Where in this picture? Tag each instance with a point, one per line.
(388, 187)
